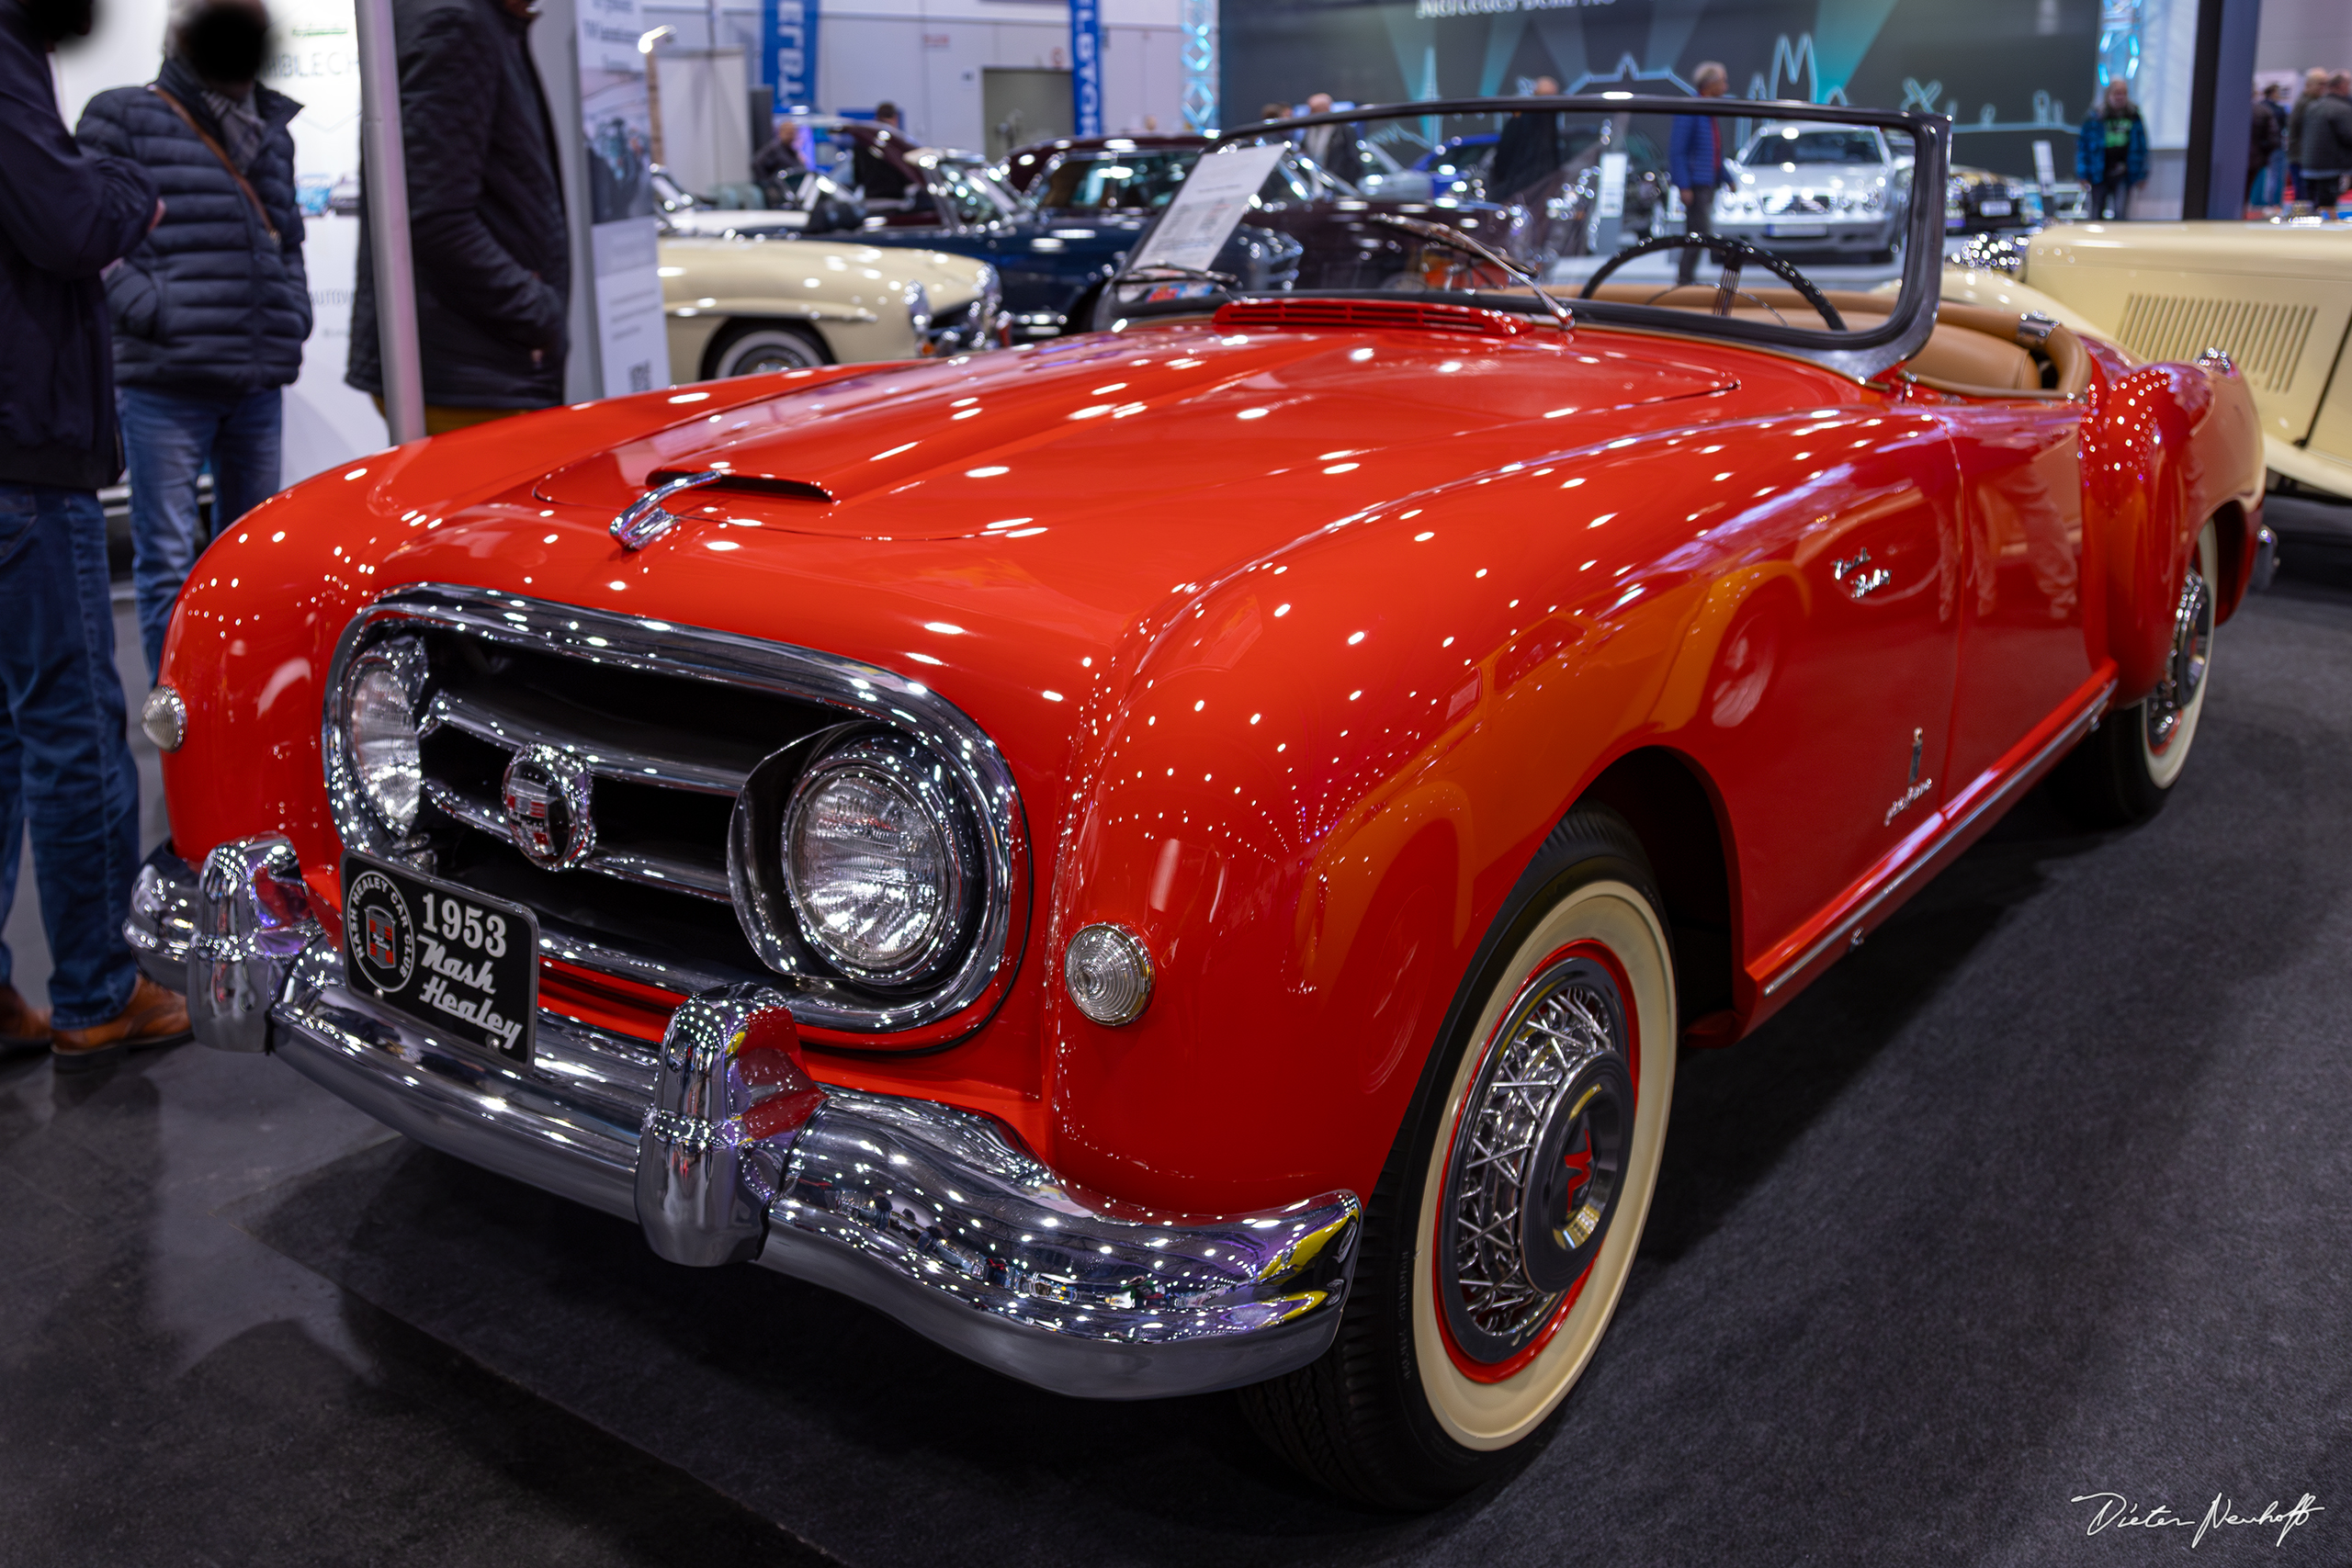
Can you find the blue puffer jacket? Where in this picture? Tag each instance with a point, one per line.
(209, 303)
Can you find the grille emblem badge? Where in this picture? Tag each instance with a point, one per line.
(545, 794)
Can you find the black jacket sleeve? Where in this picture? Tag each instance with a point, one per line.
(65, 210)
(449, 71)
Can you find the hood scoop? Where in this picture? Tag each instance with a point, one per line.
(725, 481)
(1396, 315)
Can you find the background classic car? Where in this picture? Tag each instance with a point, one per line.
(1183, 859)
(1831, 192)
(2277, 298)
(740, 307)
(1050, 267)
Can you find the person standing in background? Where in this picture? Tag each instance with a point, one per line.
(66, 768)
(211, 313)
(2327, 143)
(1694, 162)
(2111, 153)
(1527, 152)
(2274, 176)
(491, 246)
(1337, 148)
(2264, 138)
(877, 178)
(2314, 89)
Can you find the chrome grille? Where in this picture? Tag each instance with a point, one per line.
(668, 724)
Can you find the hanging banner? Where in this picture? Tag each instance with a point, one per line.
(616, 123)
(789, 29)
(1086, 66)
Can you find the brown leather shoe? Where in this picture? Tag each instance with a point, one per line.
(153, 1015)
(22, 1026)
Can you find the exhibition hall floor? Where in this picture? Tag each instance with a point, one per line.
(2040, 1194)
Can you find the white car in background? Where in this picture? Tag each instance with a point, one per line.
(1825, 192)
(2276, 297)
(745, 306)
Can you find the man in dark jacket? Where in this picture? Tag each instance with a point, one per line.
(492, 252)
(211, 313)
(1695, 152)
(2111, 153)
(66, 768)
(1529, 153)
(2327, 144)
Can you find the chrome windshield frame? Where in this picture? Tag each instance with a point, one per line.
(1858, 355)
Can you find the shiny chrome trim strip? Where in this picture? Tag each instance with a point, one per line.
(487, 719)
(935, 1215)
(640, 866)
(854, 689)
(1848, 929)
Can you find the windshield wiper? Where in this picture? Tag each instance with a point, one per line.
(1461, 241)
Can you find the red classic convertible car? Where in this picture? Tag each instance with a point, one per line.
(1182, 857)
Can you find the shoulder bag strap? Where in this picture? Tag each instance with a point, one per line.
(235, 173)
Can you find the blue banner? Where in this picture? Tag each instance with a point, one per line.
(788, 29)
(1086, 66)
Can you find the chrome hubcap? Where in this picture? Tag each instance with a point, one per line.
(2183, 676)
(1538, 1160)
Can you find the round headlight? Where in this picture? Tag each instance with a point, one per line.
(385, 687)
(873, 863)
(1108, 973)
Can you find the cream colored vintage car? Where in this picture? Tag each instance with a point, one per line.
(739, 305)
(2276, 297)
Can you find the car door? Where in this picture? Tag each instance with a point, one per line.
(2023, 654)
(1828, 703)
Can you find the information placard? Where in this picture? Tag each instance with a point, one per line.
(1210, 205)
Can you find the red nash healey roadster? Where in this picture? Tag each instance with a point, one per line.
(1181, 857)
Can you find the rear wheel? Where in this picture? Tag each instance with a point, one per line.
(760, 348)
(2124, 771)
(1501, 1233)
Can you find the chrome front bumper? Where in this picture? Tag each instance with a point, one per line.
(935, 1215)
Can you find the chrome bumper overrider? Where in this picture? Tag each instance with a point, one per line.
(717, 1144)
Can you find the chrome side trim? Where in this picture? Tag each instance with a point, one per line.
(851, 688)
(934, 1216)
(1849, 929)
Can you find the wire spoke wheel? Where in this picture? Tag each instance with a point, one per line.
(1537, 1164)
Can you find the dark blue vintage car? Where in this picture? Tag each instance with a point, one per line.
(852, 178)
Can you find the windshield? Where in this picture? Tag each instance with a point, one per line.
(1793, 145)
(973, 192)
(1591, 198)
(1141, 181)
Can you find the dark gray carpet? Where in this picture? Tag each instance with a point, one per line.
(2044, 1192)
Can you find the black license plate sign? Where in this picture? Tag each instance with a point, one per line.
(461, 966)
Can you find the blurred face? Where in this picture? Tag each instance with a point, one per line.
(1546, 88)
(2341, 84)
(223, 42)
(2119, 94)
(1712, 86)
(1319, 104)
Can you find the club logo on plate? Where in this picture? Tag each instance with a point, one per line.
(545, 795)
(377, 931)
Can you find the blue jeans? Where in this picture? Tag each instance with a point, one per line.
(169, 437)
(64, 761)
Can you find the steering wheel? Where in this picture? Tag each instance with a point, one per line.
(1733, 255)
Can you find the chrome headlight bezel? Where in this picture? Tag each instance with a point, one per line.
(902, 767)
(362, 815)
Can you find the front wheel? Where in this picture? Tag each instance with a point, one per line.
(762, 348)
(1502, 1231)
(2123, 773)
